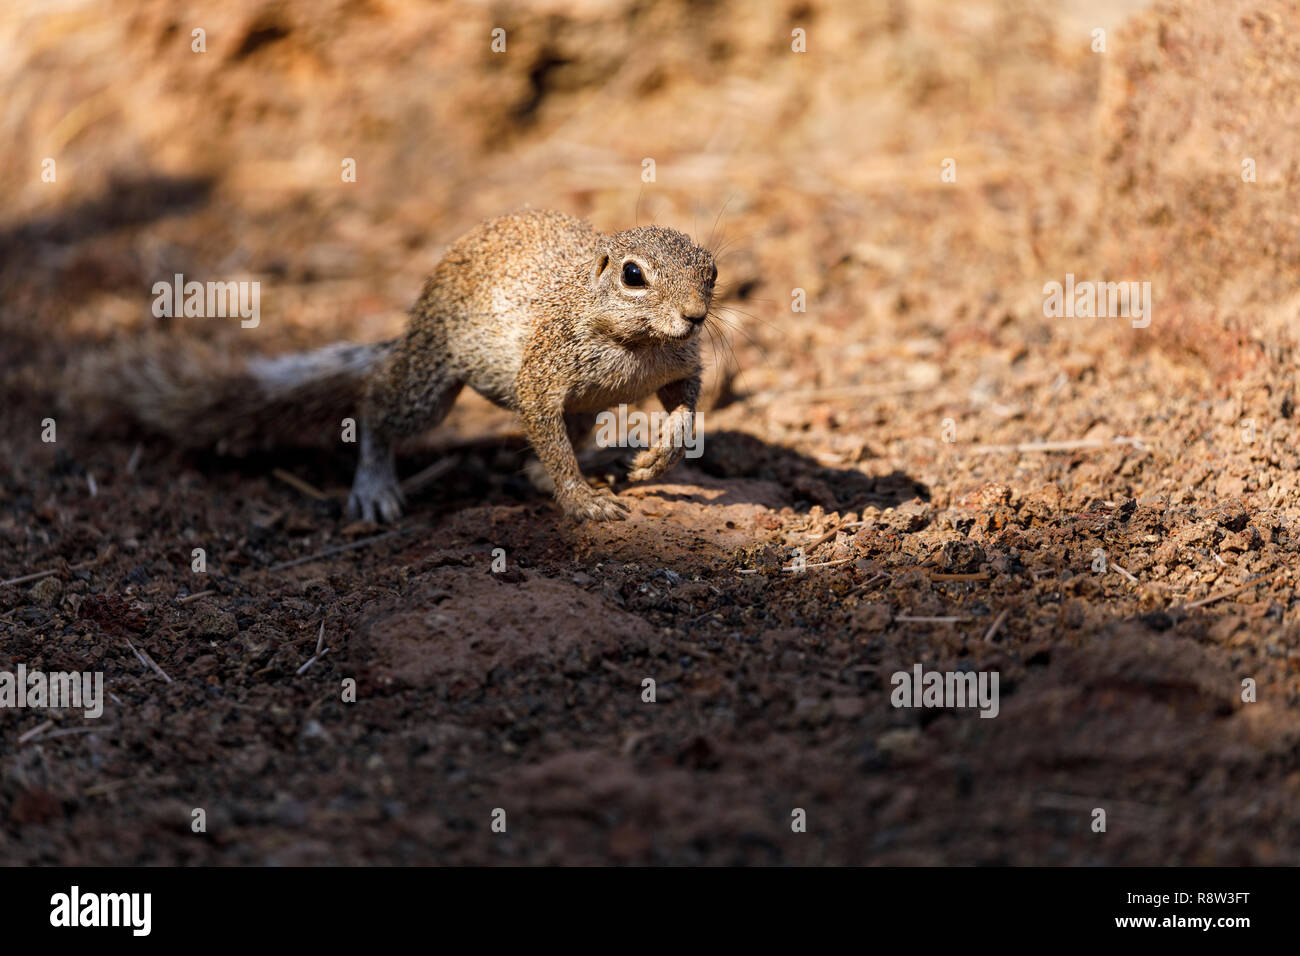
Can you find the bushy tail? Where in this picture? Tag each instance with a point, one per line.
(201, 397)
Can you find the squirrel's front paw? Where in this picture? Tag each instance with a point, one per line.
(653, 462)
(594, 507)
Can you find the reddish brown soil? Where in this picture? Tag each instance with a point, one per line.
(825, 430)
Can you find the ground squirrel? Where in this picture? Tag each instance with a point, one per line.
(538, 312)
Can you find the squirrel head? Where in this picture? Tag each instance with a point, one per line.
(651, 284)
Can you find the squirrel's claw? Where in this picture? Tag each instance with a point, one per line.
(596, 507)
(375, 500)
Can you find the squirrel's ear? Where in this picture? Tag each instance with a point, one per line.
(598, 267)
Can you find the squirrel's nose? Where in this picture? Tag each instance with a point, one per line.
(696, 319)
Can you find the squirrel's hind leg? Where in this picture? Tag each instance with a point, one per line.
(376, 494)
(402, 399)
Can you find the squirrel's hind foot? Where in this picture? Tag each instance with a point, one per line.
(376, 496)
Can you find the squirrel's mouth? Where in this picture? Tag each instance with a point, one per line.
(682, 336)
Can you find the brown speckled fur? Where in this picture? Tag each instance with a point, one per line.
(530, 311)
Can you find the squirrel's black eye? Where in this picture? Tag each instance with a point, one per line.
(632, 275)
(713, 274)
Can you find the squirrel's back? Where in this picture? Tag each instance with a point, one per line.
(492, 286)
